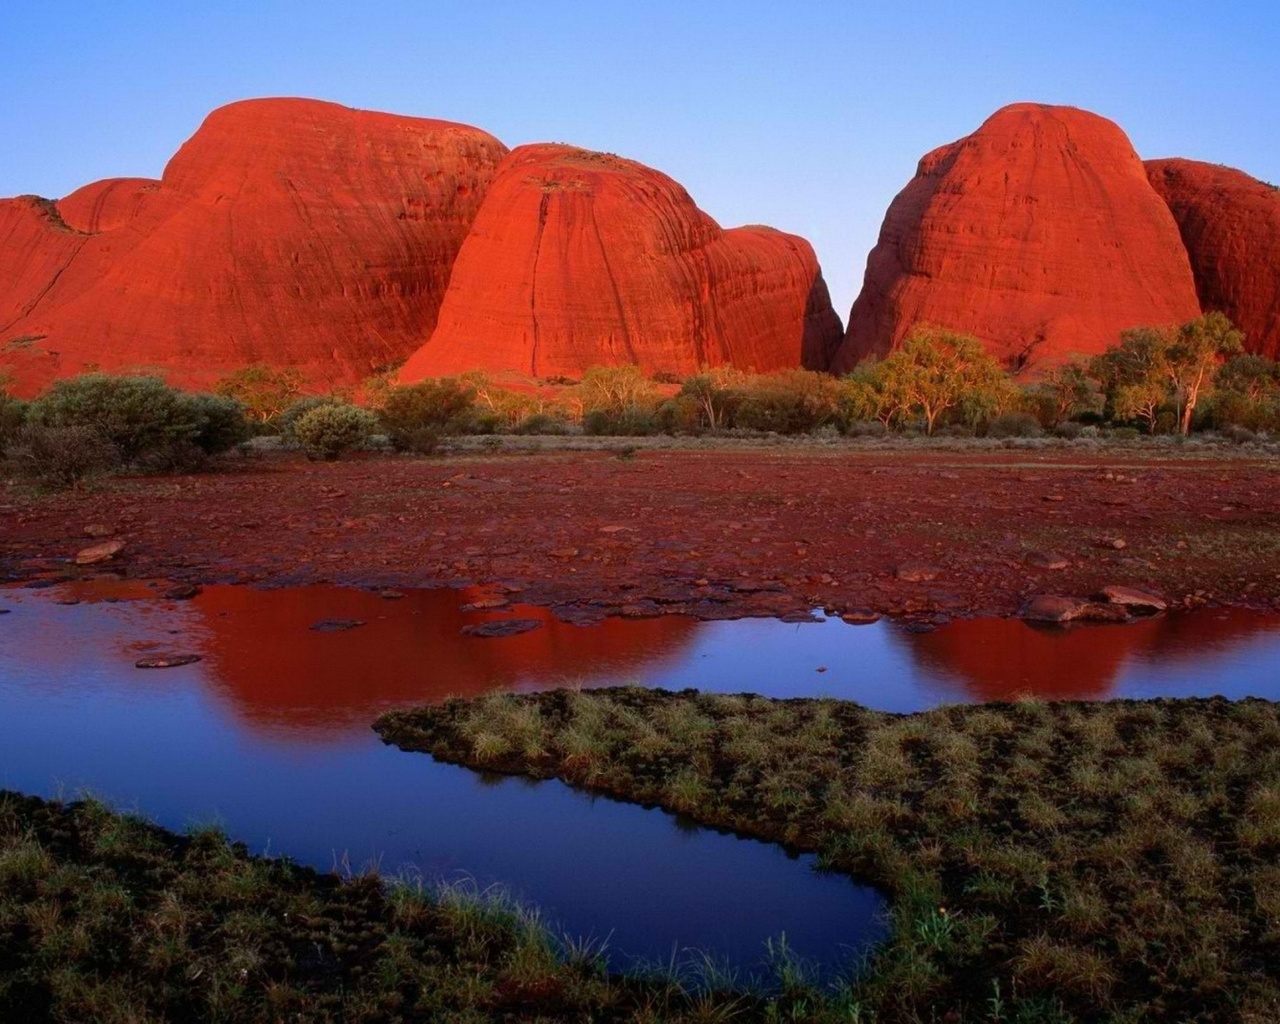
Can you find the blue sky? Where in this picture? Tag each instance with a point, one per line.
(809, 115)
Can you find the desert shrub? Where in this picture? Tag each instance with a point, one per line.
(634, 421)
(416, 416)
(264, 391)
(955, 430)
(60, 456)
(220, 422)
(288, 420)
(1123, 433)
(682, 414)
(135, 414)
(865, 428)
(1068, 430)
(716, 393)
(1238, 434)
(788, 402)
(615, 389)
(1014, 424)
(541, 423)
(13, 414)
(327, 431)
(665, 377)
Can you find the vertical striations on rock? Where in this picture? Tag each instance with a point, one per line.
(290, 232)
(1230, 225)
(580, 258)
(1039, 234)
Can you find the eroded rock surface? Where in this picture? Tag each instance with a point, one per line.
(579, 259)
(1230, 225)
(285, 231)
(1039, 234)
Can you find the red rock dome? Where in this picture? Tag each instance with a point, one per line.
(578, 259)
(285, 231)
(1230, 225)
(106, 204)
(1039, 234)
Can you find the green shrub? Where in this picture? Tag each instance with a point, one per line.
(331, 429)
(135, 414)
(1068, 430)
(788, 402)
(264, 391)
(682, 414)
(634, 421)
(865, 428)
(60, 456)
(1014, 424)
(418, 415)
(288, 419)
(541, 423)
(221, 423)
(13, 414)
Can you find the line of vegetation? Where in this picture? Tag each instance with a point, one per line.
(1114, 862)
(110, 919)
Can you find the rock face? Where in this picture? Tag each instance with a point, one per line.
(285, 231)
(1039, 234)
(1230, 225)
(578, 259)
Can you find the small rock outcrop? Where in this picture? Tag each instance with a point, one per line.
(1230, 225)
(578, 259)
(1039, 234)
(286, 231)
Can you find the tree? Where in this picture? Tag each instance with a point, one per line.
(1193, 355)
(265, 392)
(1134, 374)
(615, 388)
(935, 370)
(1066, 391)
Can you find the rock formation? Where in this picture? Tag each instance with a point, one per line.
(285, 231)
(1039, 234)
(579, 258)
(1230, 225)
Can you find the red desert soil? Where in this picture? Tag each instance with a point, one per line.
(286, 231)
(1039, 234)
(579, 258)
(1230, 224)
(714, 533)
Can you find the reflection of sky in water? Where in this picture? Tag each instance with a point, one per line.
(182, 747)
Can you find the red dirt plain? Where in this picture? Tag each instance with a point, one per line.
(714, 531)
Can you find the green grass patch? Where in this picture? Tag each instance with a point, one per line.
(1045, 862)
(107, 918)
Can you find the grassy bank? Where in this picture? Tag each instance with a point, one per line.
(109, 919)
(1045, 862)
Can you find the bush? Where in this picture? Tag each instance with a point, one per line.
(220, 422)
(416, 416)
(60, 456)
(541, 423)
(135, 414)
(631, 422)
(683, 414)
(150, 425)
(1014, 424)
(328, 430)
(865, 428)
(263, 391)
(288, 420)
(13, 414)
(788, 402)
(1068, 430)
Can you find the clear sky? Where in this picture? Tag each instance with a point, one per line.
(806, 114)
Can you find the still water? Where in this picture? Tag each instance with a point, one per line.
(269, 735)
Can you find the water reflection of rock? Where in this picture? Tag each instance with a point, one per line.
(1001, 659)
(280, 675)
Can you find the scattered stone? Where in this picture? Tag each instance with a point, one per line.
(860, 617)
(98, 530)
(1141, 601)
(166, 661)
(335, 625)
(1115, 543)
(67, 601)
(485, 603)
(1053, 497)
(1052, 608)
(99, 552)
(181, 592)
(616, 529)
(821, 668)
(503, 627)
(1047, 560)
(915, 572)
(565, 553)
(391, 595)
